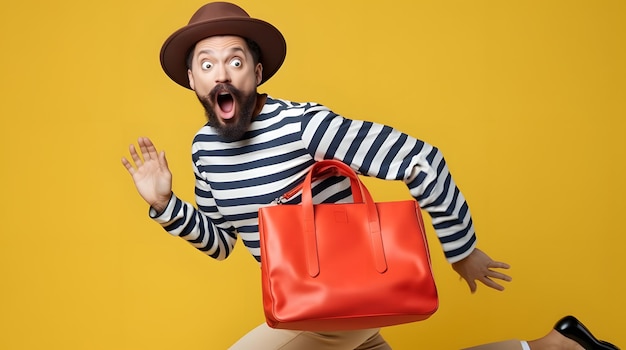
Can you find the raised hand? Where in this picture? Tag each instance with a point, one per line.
(478, 266)
(151, 174)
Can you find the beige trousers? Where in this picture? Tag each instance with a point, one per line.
(503, 345)
(265, 338)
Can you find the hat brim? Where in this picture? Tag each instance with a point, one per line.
(176, 48)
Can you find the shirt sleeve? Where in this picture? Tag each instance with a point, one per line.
(386, 153)
(204, 227)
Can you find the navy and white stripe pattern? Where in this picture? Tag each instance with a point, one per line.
(235, 179)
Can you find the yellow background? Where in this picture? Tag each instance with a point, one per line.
(525, 98)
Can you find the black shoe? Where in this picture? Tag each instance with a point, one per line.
(571, 328)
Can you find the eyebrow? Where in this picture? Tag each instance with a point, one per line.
(232, 50)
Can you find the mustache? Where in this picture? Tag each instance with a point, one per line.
(224, 87)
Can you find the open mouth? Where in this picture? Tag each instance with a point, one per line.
(225, 102)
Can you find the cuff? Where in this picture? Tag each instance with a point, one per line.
(166, 215)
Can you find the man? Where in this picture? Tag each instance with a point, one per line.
(255, 148)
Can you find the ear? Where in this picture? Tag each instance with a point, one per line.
(191, 82)
(258, 71)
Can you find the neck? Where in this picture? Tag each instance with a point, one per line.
(260, 102)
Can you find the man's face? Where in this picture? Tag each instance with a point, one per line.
(224, 76)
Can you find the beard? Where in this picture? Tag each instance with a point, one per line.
(230, 131)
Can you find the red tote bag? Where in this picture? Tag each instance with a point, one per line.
(348, 266)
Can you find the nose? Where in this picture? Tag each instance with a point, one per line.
(222, 74)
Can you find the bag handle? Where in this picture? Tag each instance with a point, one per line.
(325, 170)
(360, 195)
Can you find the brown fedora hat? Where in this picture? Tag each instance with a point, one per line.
(222, 18)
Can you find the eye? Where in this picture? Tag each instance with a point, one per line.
(236, 62)
(206, 65)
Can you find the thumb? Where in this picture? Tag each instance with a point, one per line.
(472, 285)
(162, 159)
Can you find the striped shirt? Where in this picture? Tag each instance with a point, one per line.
(235, 179)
